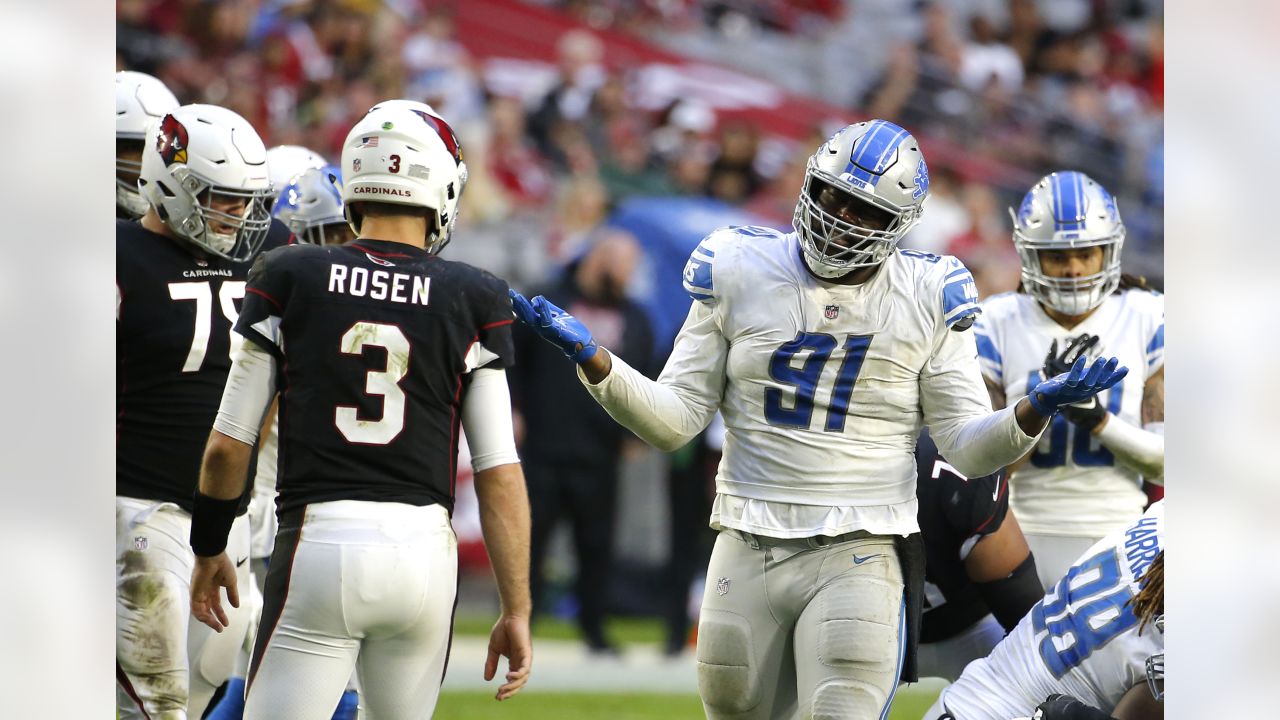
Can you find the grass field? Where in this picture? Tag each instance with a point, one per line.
(908, 704)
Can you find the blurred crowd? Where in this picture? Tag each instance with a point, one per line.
(1033, 84)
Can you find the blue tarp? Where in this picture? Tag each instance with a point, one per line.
(669, 228)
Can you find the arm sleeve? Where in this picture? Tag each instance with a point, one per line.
(250, 388)
(486, 418)
(669, 412)
(1140, 448)
(957, 410)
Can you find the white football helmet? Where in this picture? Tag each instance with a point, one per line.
(871, 170)
(421, 107)
(140, 100)
(1155, 666)
(285, 162)
(204, 170)
(1065, 211)
(402, 156)
(311, 202)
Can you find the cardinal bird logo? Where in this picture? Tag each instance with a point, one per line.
(445, 132)
(171, 142)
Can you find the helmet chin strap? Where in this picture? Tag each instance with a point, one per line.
(825, 271)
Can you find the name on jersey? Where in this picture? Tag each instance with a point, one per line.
(1141, 545)
(379, 284)
(224, 272)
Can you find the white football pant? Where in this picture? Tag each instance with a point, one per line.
(353, 584)
(167, 663)
(947, 658)
(792, 628)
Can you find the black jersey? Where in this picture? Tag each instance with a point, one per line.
(954, 514)
(174, 317)
(375, 341)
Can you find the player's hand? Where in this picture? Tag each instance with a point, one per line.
(555, 326)
(209, 576)
(1076, 386)
(1065, 707)
(1088, 414)
(510, 638)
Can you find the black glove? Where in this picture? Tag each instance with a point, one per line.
(1065, 707)
(1088, 413)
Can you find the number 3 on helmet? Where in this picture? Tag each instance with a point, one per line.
(400, 155)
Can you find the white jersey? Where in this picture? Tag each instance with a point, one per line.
(1082, 639)
(262, 503)
(824, 387)
(1072, 485)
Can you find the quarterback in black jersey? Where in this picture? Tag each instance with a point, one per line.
(380, 353)
(980, 576)
(180, 276)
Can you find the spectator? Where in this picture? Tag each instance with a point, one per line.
(570, 447)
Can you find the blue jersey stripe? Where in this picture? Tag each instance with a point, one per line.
(987, 350)
(1157, 341)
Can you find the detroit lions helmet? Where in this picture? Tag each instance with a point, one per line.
(1066, 211)
(403, 156)
(1155, 666)
(863, 190)
(311, 203)
(204, 170)
(140, 100)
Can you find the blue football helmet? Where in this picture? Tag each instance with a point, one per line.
(864, 189)
(1155, 666)
(312, 202)
(1066, 211)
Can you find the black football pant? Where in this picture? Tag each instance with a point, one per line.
(585, 495)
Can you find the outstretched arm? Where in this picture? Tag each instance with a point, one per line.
(666, 413)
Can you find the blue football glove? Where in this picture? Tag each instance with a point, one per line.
(1075, 386)
(555, 326)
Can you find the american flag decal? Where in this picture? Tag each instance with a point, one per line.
(368, 142)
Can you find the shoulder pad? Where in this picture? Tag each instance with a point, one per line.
(699, 280)
(959, 295)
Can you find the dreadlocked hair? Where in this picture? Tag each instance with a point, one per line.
(1133, 282)
(1149, 602)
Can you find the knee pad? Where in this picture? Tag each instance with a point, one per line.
(860, 624)
(845, 700)
(727, 678)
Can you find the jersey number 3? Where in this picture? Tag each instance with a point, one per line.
(385, 382)
(805, 379)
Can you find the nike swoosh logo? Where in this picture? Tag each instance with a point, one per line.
(859, 560)
(241, 561)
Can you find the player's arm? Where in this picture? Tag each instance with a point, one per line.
(1138, 704)
(249, 392)
(666, 413)
(1003, 569)
(1141, 449)
(504, 520)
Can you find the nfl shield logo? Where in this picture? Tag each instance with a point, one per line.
(355, 165)
(139, 543)
(722, 585)
(831, 312)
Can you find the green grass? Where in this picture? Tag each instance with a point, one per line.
(622, 630)
(908, 704)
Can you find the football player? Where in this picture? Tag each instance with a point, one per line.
(980, 577)
(311, 205)
(1086, 476)
(140, 101)
(825, 349)
(379, 350)
(180, 272)
(1096, 638)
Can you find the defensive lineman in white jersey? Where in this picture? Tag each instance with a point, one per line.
(825, 349)
(1085, 477)
(1083, 639)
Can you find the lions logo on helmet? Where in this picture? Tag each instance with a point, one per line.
(171, 143)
